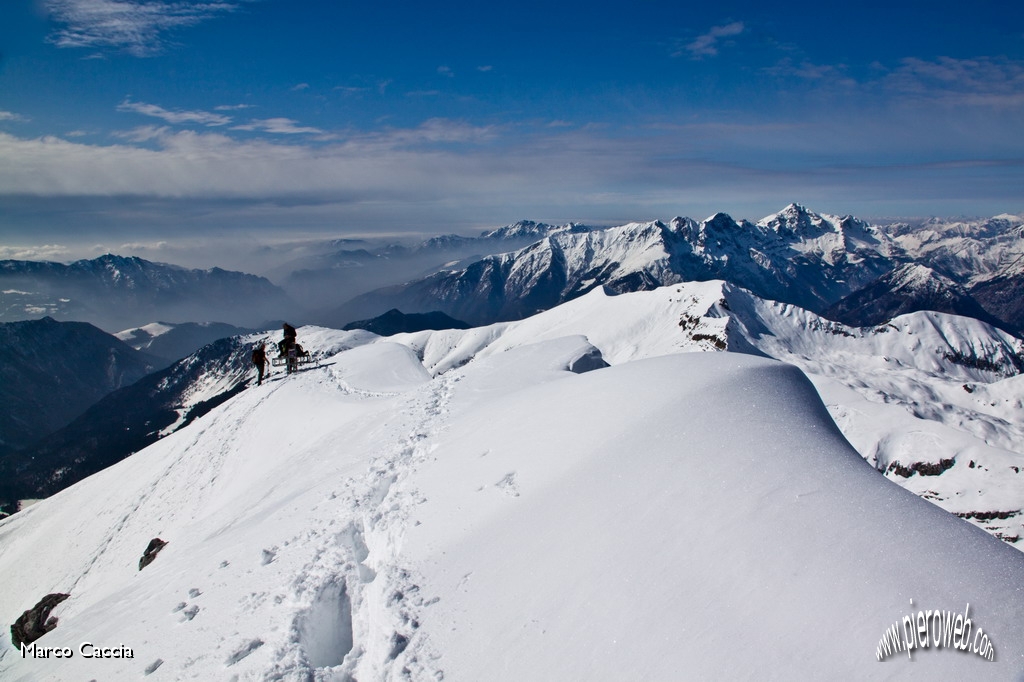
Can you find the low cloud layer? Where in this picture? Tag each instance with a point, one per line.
(444, 174)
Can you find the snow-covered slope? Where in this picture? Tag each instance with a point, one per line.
(966, 250)
(931, 399)
(507, 520)
(907, 289)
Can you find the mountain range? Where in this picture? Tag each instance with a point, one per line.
(796, 256)
(832, 265)
(656, 440)
(117, 292)
(841, 268)
(329, 275)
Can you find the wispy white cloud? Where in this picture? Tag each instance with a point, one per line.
(984, 81)
(707, 45)
(143, 133)
(445, 71)
(485, 68)
(277, 126)
(299, 87)
(233, 107)
(11, 116)
(139, 27)
(434, 131)
(143, 246)
(280, 126)
(808, 71)
(177, 117)
(176, 163)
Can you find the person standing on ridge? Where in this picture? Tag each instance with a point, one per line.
(287, 347)
(259, 358)
(289, 339)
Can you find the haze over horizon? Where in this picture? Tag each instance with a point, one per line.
(155, 128)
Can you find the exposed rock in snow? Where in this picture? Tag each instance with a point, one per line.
(36, 621)
(152, 549)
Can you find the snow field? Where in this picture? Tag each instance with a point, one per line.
(462, 505)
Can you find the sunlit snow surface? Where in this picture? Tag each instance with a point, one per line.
(459, 505)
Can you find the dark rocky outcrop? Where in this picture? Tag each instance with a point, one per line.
(37, 621)
(923, 468)
(152, 549)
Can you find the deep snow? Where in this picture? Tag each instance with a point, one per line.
(460, 504)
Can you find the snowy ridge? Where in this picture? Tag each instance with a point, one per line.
(930, 399)
(371, 520)
(926, 390)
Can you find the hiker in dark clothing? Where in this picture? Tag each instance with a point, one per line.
(287, 347)
(259, 358)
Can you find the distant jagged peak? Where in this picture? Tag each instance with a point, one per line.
(115, 259)
(723, 222)
(529, 229)
(798, 220)
(917, 276)
(641, 226)
(680, 222)
(518, 230)
(444, 241)
(1010, 218)
(1004, 224)
(110, 262)
(573, 228)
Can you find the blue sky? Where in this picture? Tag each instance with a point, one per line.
(125, 124)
